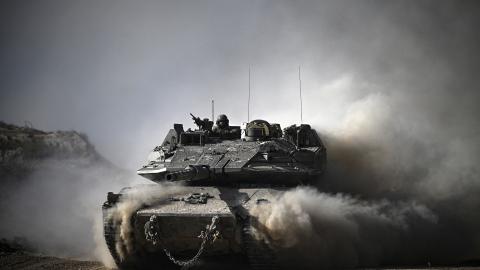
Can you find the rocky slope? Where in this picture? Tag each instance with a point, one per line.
(19, 144)
(52, 186)
(23, 148)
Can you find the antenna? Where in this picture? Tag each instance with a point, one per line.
(248, 109)
(300, 87)
(213, 110)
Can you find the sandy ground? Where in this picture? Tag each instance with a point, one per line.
(20, 260)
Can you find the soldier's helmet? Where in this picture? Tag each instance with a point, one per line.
(222, 121)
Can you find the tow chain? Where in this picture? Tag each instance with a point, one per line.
(209, 235)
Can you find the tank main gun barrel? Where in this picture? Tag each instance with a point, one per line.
(190, 173)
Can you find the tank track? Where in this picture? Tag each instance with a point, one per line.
(138, 259)
(259, 254)
(110, 234)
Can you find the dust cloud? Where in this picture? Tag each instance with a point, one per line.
(131, 202)
(338, 231)
(398, 190)
(56, 210)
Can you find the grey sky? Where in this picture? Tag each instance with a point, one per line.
(124, 72)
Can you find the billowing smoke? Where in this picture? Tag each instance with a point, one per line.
(401, 188)
(338, 231)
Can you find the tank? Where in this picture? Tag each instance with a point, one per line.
(223, 172)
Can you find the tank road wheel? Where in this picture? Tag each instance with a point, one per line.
(259, 254)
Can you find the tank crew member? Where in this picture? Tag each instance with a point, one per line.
(224, 130)
(222, 124)
(204, 124)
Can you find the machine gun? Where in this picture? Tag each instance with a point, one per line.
(204, 124)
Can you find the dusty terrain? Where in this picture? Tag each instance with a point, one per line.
(19, 260)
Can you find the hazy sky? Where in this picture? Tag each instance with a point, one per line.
(124, 72)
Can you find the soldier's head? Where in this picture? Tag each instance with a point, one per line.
(222, 121)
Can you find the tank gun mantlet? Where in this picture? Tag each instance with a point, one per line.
(190, 173)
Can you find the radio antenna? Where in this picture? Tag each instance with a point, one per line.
(300, 88)
(248, 106)
(213, 110)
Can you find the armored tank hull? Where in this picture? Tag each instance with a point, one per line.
(222, 175)
(180, 220)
